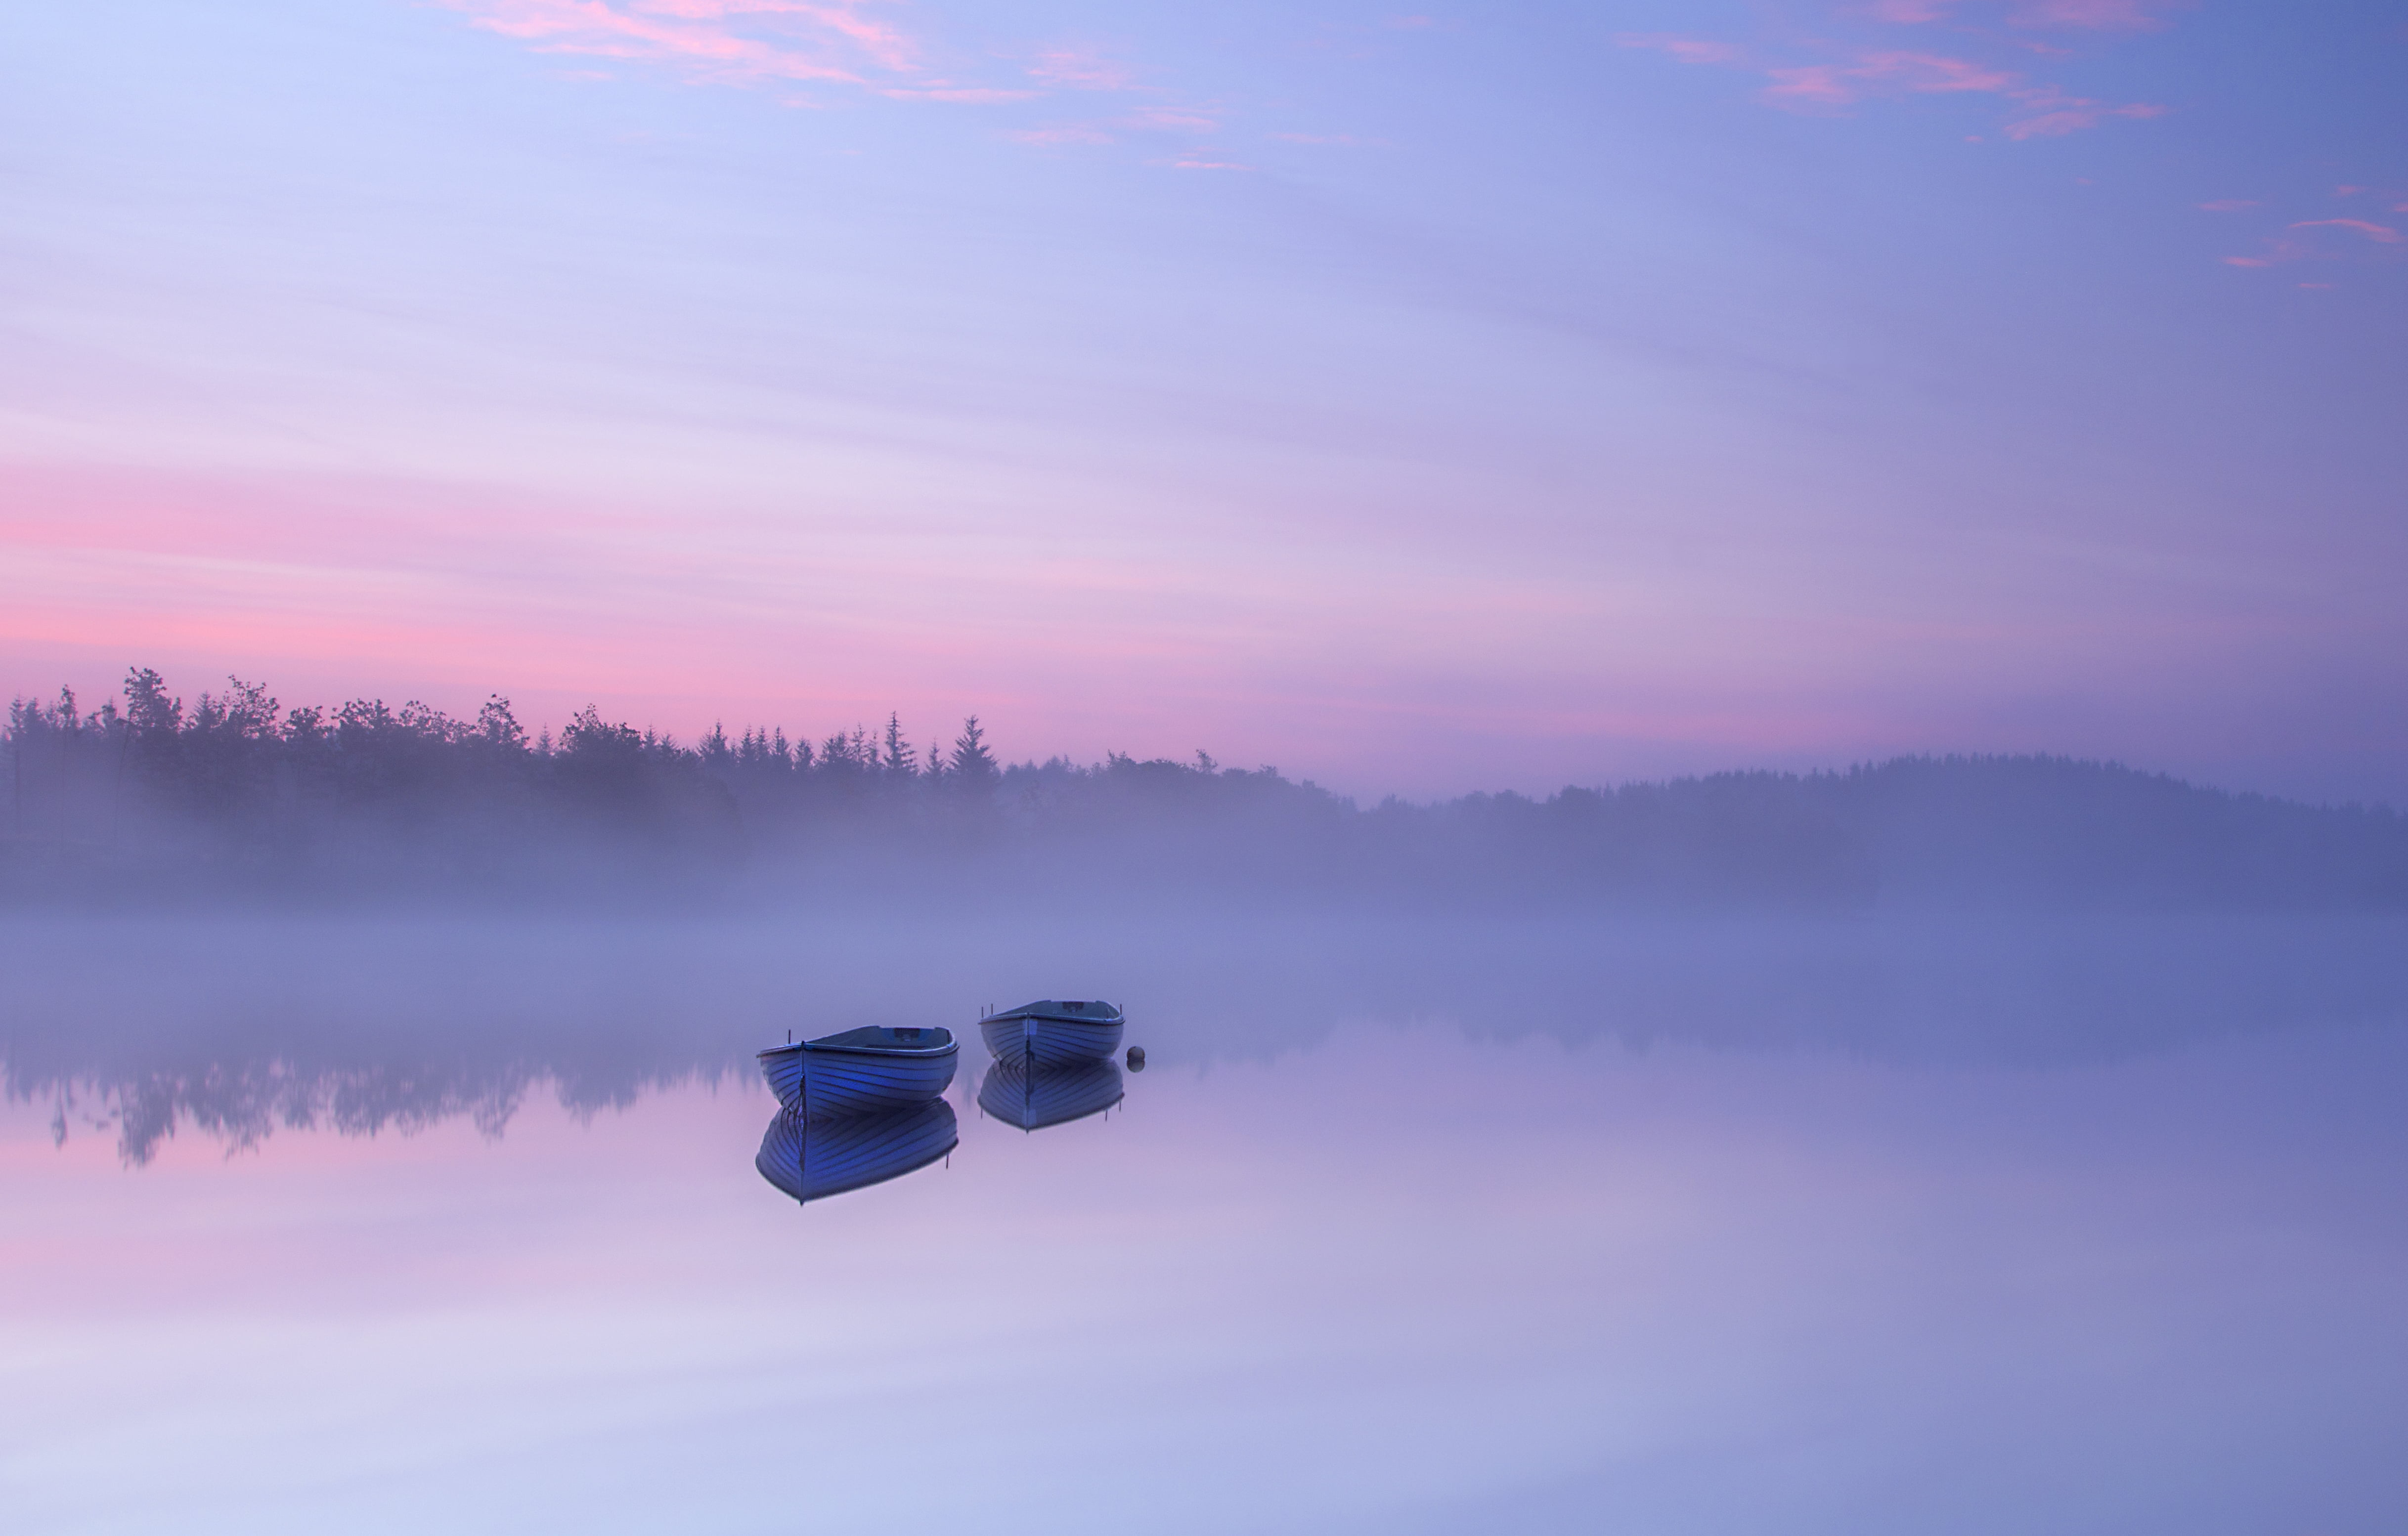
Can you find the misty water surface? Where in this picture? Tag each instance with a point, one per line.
(1967, 1222)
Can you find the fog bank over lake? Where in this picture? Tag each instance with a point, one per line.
(238, 1024)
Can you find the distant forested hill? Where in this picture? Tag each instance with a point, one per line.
(148, 798)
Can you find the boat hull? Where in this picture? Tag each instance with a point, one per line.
(811, 1159)
(1046, 1041)
(830, 1082)
(1033, 1100)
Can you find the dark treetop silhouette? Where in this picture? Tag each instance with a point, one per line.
(152, 800)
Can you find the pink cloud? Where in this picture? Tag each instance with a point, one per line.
(1694, 51)
(1929, 72)
(622, 31)
(2051, 114)
(1908, 12)
(1208, 166)
(2229, 205)
(889, 46)
(1179, 118)
(2090, 15)
(1079, 68)
(2291, 252)
(735, 41)
(2378, 233)
(1836, 85)
(972, 94)
(1069, 132)
(2041, 110)
(2083, 15)
(1082, 68)
(1824, 85)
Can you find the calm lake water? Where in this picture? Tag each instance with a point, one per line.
(1411, 1225)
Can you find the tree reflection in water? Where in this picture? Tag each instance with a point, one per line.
(238, 1028)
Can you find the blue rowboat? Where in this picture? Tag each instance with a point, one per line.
(862, 1072)
(1054, 1033)
(1049, 1095)
(811, 1159)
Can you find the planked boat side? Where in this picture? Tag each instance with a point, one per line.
(862, 1072)
(1053, 1032)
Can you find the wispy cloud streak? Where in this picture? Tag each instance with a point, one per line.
(2381, 233)
(1079, 67)
(2291, 246)
(2074, 15)
(739, 42)
(1846, 75)
(848, 43)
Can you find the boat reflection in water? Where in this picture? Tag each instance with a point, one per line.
(811, 1159)
(1033, 1100)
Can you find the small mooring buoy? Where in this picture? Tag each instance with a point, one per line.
(1137, 1058)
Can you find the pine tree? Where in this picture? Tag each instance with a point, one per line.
(973, 767)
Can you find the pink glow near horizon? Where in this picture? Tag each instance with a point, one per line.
(497, 596)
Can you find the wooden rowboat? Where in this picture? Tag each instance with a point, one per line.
(862, 1072)
(1054, 1033)
(811, 1159)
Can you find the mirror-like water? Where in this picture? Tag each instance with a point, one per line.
(2081, 1226)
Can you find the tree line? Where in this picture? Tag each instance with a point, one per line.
(145, 795)
(236, 774)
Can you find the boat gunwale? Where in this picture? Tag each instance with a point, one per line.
(1017, 1015)
(1058, 1009)
(884, 1052)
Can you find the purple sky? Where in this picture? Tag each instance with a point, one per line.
(1420, 402)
